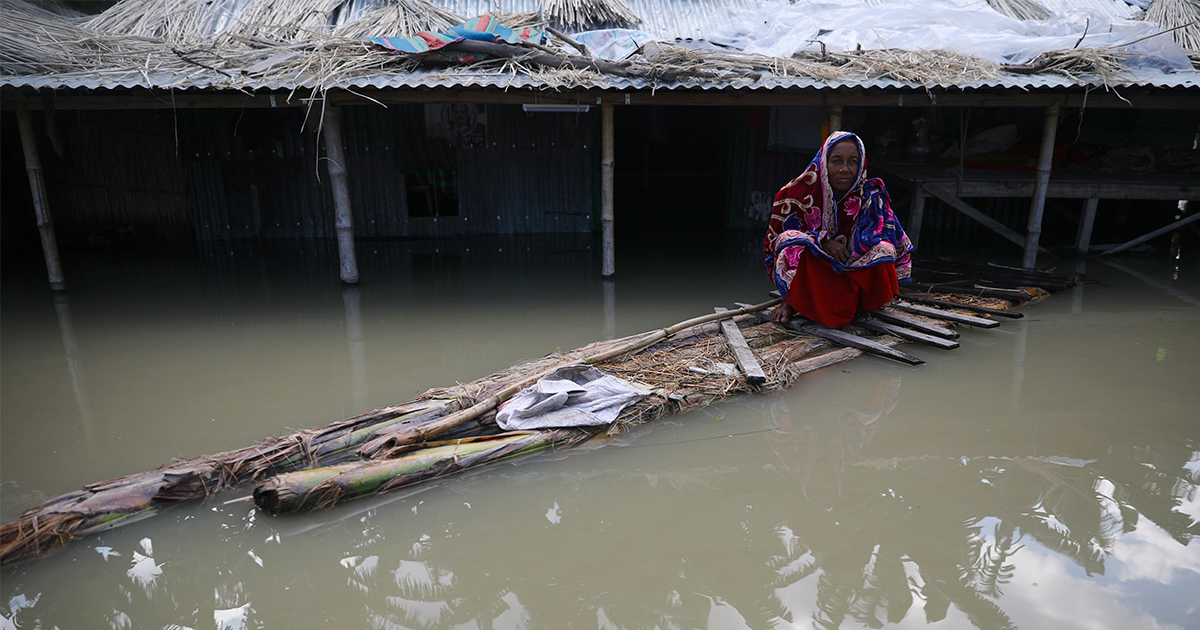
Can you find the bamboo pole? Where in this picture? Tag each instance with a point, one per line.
(37, 187)
(325, 487)
(411, 434)
(1083, 236)
(608, 266)
(343, 217)
(1033, 231)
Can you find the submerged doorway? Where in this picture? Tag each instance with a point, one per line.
(672, 172)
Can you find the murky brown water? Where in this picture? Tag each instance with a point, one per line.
(1044, 475)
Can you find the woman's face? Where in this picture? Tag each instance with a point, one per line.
(842, 164)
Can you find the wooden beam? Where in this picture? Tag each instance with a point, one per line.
(1145, 237)
(37, 188)
(900, 319)
(331, 127)
(938, 313)
(972, 212)
(907, 334)
(608, 263)
(1033, 229)
(742, 354)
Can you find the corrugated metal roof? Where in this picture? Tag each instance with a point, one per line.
(443, 79)
(663, 19)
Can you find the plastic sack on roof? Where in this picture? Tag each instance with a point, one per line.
(969, 27)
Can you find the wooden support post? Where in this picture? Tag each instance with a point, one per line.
(37, 187)
(1033, 231)
(343, 220)
(917, 214)
(1145, 237)
(1083, 238)
(608, 266)
(835, 118)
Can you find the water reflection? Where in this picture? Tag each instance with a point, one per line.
(1042, 475)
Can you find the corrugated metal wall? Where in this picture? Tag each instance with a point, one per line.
(113, 177)
(230, 174)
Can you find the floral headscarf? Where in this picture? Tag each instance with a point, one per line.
(805, 213)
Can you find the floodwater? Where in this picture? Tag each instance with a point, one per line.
(1043, 475)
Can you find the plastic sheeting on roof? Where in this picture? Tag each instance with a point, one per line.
(969, 27)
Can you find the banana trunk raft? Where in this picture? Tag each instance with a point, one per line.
(682, 367)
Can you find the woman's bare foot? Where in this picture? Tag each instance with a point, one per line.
(782, 313)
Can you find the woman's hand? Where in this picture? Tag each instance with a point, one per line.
(837, 250)
(783, 313)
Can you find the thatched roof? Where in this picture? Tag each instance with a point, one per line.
(319, 44)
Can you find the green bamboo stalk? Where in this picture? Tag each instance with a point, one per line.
(325, 487)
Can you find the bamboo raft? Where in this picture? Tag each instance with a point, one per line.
(446, 430)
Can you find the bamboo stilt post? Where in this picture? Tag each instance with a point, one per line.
(1033, 231)
(37, 187)
(343, 217)
(608, 265)
(1083, 238)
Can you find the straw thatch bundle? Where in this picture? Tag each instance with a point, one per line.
(925, 67)
(401, 18)
(1104, 62)
(1181, 18)
(579, 14)
(188, 21)
(1021, 9)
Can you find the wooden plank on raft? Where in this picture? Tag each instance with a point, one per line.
(900, 319)
(938, 313)
(746, 361)
(966, 307)
(907, 334)
(842, 338)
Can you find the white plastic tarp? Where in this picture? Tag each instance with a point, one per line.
(573, 396)
(970, 27)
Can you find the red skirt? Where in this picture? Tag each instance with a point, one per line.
(831, 298)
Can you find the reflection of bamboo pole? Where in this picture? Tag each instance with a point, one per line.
(1033, 231)
(343, 218)
(352, 301)
(606, 191)
(610, 308)
(75, 366)
(37, 187)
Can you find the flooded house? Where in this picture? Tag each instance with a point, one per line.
(260, 216)
(257, 132)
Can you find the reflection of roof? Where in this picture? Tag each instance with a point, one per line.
(61, 57)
